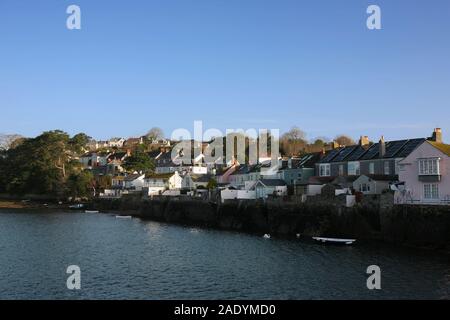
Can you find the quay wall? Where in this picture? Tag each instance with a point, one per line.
(374, 218)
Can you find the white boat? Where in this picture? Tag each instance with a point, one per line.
(266, 236)
(76, 206)
(123, 217)
(91, 211)
(334, 240)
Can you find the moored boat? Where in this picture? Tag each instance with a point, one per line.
(123, 217)
(77, 206)
(334, 240)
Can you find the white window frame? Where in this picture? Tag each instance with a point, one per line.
(428, 166)
(431, 191)
(357, 168)
(324, 170)
(387, 168)
(371, 167)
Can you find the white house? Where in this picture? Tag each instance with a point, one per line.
(425, 173)
(373, 184)
(134, 181)
(193, 181)
(270, 187)
(158, 183)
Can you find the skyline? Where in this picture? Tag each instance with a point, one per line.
(314, 65)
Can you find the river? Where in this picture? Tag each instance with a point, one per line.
(134, 259)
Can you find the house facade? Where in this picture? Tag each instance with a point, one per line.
(380, 158)
(158, 183)
(426, 175)
(373, 184)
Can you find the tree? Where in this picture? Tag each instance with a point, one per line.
(155, 133)
(344, 140)
(39, 165)
(139, 161)
(293, 142)
(212, 184)
(80, 184)
(8, 141)
(79, 141)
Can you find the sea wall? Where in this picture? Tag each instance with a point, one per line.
(374, 218)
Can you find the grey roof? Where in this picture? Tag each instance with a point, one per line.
(273, 182)
(394, 149)
(132, 177)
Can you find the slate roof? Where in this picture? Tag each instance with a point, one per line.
(394, 149)
(132, 177)
(272, 182)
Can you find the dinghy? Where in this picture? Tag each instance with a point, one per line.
(91, 211)
(123, 217)
(334, 240)
(76, 206)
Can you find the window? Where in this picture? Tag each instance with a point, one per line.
(324, 170)
(353, 168)
(372, 168)
(341, 169)
(431, 191)
(429, 167)
(364, 187)
(387, 168)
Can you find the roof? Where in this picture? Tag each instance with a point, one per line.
(163, 176)
(272, 182)
(381, 177)
(445, 148)
(394, 149)
(200, 177)
(306, 161)
(318, 180)
(132, 177)
(117, 156)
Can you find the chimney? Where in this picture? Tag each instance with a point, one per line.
(437, 135)
(364, 141)
(382, 146)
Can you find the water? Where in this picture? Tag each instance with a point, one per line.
(134, 259)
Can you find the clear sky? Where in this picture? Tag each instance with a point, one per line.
(230, 63)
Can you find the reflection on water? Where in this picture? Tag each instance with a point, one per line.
(134, 259)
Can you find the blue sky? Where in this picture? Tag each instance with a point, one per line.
(230, 63)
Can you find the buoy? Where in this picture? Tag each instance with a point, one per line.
(297, 235)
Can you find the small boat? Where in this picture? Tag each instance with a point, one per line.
(77, 206)
(298, 235)
(334, 240)
(91, 211)
(123, 217)
(266, 236)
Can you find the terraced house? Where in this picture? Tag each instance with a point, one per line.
(367, 158)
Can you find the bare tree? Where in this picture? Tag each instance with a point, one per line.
(155, 133)
(344, 140)
(293, 142)
(8, 141)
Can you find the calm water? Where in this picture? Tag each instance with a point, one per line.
(134, 259)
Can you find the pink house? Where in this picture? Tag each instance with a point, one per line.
(426, 174)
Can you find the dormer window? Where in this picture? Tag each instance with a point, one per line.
(429, 167)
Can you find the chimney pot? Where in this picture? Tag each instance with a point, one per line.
(382, 147)
(364, 141)
(437, 135)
